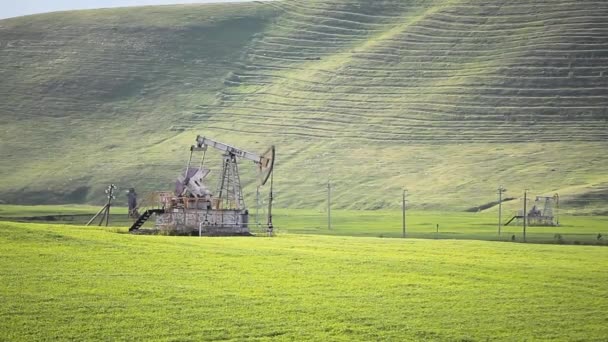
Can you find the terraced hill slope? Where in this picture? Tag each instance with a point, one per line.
(447, 98)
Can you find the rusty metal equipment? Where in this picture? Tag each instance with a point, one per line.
(194, 209)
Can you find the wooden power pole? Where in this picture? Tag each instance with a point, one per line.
(525, 212)
(403, 207)
(501, 190)
(328, 205)
(105, 211)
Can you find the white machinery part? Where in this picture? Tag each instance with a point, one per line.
(265, 162)
(193, 184)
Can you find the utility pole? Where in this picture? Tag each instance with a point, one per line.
(525, 212)
(500, 192)
(556, 197)
(257, 206)
(403, 207)
(270, 227)
(110, 192)
(106, 208)
(328, 205)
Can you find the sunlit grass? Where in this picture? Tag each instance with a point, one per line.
(380, 223)
(76, 283)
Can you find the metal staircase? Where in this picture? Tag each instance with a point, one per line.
(144, 217)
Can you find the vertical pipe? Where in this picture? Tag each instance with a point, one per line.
(525, 212)
(328, 205)
(257, 205)
(403, 209)
(236, 185)
(108, 215)
(500, 191)
(111, 197)
(556, 197)
(270, 226)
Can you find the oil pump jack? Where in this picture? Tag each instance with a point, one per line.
(194, 209)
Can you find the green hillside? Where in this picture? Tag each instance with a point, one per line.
(447, 98)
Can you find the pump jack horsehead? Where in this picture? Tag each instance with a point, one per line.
(193, 209)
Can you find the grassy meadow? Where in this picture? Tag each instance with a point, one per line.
(29, 211)
(65, 281)
(77, 283)
(441, 225)
(360, 223)
(86, 283)
(448, 99)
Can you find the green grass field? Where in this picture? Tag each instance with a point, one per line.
(16, 211)
(447, 98)
(451, 225)
(381, 223)
(76, 283)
